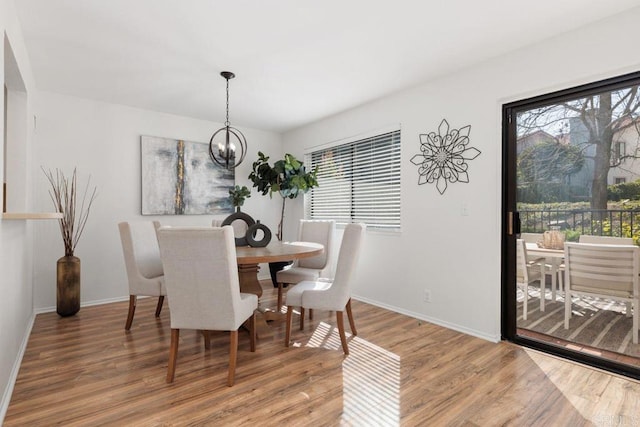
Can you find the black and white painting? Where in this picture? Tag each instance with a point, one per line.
(179, 178)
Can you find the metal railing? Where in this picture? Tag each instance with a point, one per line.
(599, 222)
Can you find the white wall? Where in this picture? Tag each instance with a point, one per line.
(103, 140)
(16, 307)
(457, 257)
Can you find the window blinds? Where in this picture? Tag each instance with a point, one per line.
(358, 182)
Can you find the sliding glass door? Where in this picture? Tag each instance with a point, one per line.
(572, 174)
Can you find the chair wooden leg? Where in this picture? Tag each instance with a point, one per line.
(350, 315)
(301, 318)
(207, 339)
(173, 354)
(311, 314)
(252, 332)
(159, 306)
(279, 306)
(132, 309)
(343, 337)
(233, 356)
(287, 335)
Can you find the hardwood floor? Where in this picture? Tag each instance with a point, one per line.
(86, 370)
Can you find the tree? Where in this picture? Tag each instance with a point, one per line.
(601, 117)
(549, 162)
(287, 177)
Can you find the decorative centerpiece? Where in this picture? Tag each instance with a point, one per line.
(63, 193)
(237, 196)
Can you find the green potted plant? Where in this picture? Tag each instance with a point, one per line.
(63, 193)
(238, 194)
(287, 177)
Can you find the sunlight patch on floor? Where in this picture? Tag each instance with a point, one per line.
(371, 378)
(599, 416)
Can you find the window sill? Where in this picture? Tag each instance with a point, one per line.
(31, 215)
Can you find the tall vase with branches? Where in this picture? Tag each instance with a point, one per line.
(64, 195)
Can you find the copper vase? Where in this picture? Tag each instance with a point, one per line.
(68, 286)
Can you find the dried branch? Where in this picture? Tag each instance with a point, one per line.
(63, 194)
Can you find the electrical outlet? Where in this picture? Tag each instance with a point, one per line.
(427, 295)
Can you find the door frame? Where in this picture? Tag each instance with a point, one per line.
(510, 223)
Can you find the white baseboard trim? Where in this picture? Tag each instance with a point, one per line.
(6, 396)
(87, 304)
(439, 322)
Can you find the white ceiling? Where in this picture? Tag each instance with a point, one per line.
(296, 61)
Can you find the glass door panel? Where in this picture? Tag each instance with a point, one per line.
(577, 179)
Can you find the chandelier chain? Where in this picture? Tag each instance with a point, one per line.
(226, 123)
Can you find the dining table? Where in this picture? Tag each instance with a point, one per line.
(249, 259)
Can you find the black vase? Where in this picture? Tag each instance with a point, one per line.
(237, 215)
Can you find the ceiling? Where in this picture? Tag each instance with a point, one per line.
(296, 61)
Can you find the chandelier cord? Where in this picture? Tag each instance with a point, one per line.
(226, 123)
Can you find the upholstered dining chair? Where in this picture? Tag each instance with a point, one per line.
(143, 265)
(603, 271)
(528, 270)
(201, 275)
(316, 231)
(332, 295)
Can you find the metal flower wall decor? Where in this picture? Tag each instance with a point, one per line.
(444, 156)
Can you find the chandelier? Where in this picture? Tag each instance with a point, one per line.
(223, 151)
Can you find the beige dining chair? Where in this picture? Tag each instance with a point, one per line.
(602, 271)
(143, 264)
(528, 271)
(201, 275)
(315, 231)
(332, 295)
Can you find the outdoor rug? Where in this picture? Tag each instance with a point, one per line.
(595, 322)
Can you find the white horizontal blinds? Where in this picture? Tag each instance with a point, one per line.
(358, 182)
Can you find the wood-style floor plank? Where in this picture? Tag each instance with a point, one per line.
(87, 370)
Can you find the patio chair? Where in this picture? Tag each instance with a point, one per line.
(527, 272)
(605, 240)
(602, 271)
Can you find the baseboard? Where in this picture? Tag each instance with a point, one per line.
(439, 322)
(88, 303)
(6, 396)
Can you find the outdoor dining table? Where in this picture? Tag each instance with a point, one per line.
(554, 258)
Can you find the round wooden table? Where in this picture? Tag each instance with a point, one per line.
(249, 258)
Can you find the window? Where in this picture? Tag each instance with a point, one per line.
(358, 181)
(619, 150)
(620, 180)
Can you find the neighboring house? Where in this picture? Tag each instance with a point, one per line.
(532, 139)
(625, 143)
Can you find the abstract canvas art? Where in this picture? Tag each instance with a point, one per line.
(179, 178)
